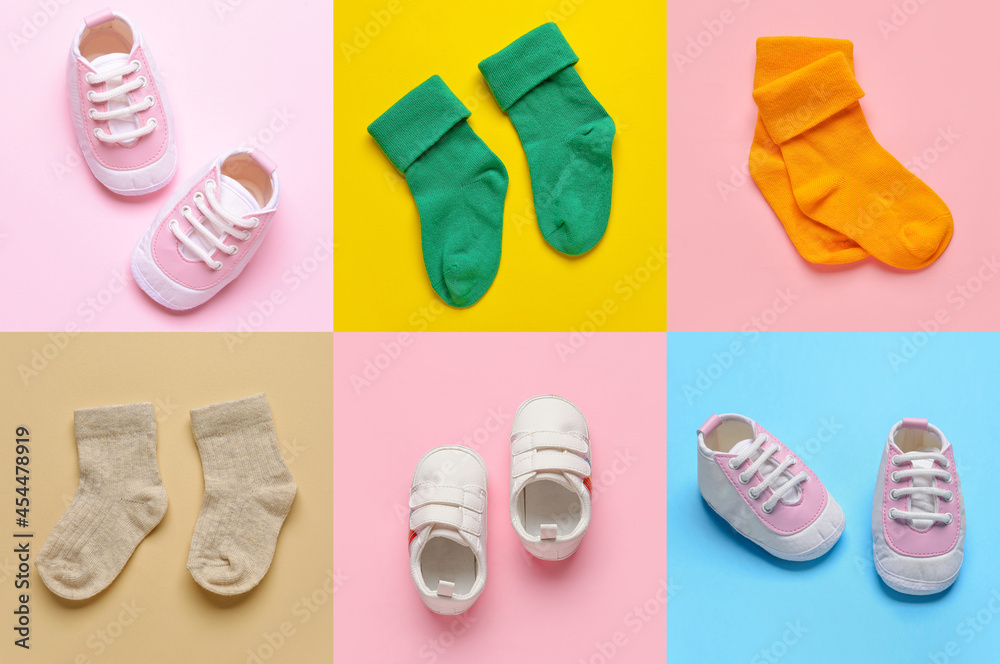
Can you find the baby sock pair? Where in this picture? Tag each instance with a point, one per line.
(460, 185)
(838, 193)
(120, 498)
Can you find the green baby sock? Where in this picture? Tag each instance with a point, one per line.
(458, 183)
(565, 132)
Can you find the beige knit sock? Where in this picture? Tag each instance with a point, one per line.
(120, 499)
(248, 492)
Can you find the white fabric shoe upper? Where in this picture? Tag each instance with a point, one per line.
(550, 501)
(448, 529)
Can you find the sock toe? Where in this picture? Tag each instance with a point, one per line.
(66, 579)
(924, 239)
(460, 278)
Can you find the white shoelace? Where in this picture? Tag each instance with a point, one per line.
(921, 496)
(121, 92)
(213, 212)
(768, 482)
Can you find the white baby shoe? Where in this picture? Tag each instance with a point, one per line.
(119, 108)
(918, 515)
(550, 477)
(765, 493)
(448, 529)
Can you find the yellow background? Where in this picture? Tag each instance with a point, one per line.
(379, 277)
(179, 621)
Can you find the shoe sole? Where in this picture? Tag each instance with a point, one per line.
(911, 587)
(810, 554)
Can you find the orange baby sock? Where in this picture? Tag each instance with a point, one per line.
(840, 176)
(816, 242)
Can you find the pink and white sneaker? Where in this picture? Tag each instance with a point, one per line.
(918, 516)
(208, 231)
(120, 113)
(749, 477)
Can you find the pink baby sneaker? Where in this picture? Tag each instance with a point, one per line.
(120, 113)
(918, 516)
(767, 494)
(208, 231)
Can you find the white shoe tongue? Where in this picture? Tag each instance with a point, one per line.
(104, 63)
(922, 502)
(767, 468)
(447, 533)
(558, 478)
(235, 199)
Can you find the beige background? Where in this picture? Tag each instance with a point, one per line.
(288, 617)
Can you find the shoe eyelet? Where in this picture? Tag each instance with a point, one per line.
(90, 96)
(90, 112)
(951, 518)
(951, 497)
(894, 460)
(753, 494)
(173, 225)
(97, 132)
(186, 208)
(144, 81)
(234, 249)
(256, 222)
(152, 122)
(766, 510)
(246, 235)
(744, 480)
(198, 196)
(948, 480)
(946, 465)
(136, 64)
(733, 466)
(217, 266)
(892, 513)
(151, 100)
(893, 476)
(893, 495)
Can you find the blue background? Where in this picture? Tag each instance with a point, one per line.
(832, 399)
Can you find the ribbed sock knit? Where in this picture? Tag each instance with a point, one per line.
(248, 493)
(120, 499)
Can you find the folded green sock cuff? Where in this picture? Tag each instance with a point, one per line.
(417, 121)
(531, 59)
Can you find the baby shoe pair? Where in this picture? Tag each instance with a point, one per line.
(549, 503)
(206, 233)
(460, 185)
(771, 497)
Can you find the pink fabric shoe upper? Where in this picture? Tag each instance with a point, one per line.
(193, 272)
(902, 537)
(785, 518)
(146, 149)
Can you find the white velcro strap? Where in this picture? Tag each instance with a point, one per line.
(556, 440)
(446, 515)
(556, 462)
(470, 497)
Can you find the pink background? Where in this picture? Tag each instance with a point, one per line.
(65, 241)
(729, 258)
(439, 390)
